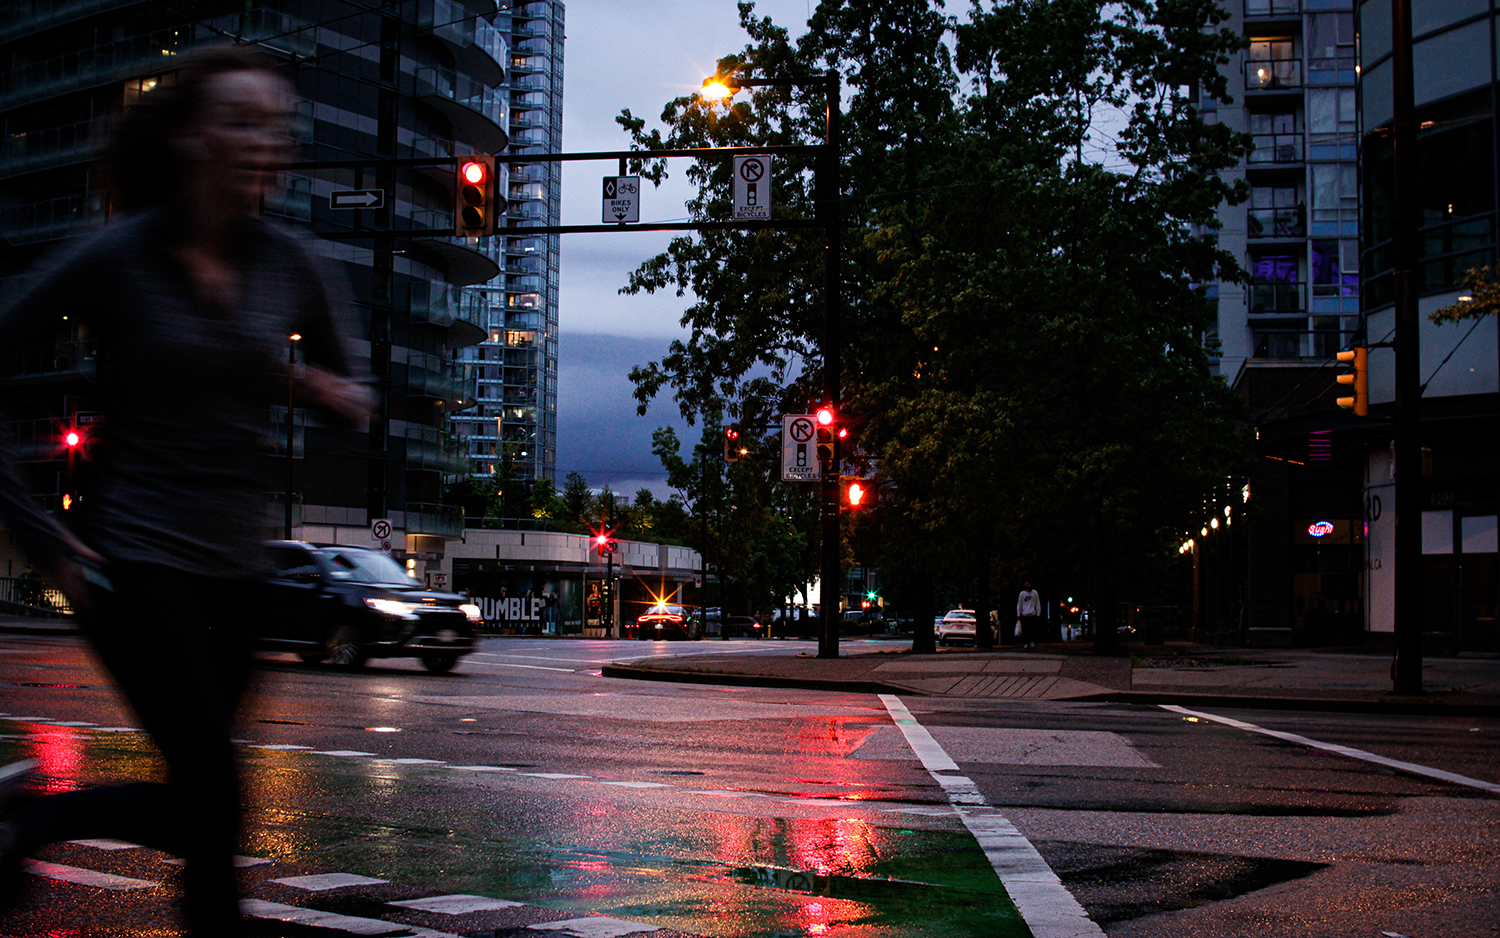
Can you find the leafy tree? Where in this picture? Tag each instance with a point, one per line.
(1023, 327)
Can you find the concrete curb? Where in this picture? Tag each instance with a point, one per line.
(42, 627)
(1404, 706)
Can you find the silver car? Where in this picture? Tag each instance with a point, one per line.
(958, 625)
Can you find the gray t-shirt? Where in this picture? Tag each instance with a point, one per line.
(185, 385)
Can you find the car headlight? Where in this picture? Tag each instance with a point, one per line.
(394, 607)
(472, 611)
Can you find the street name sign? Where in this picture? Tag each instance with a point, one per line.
(799, 454)
(622, 199)
(752, 187)
(356, 198)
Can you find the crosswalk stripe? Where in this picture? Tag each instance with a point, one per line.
(294, 914)
(80, 877)
(321, 881)
(456, 904)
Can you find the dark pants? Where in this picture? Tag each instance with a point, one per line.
(179, 649)
(1031, 628)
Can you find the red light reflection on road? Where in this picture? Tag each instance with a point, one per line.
(59, 750)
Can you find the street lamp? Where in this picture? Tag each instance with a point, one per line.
(291, 361)
(723, 87)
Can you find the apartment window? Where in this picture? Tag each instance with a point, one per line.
(1276, 137)
(1271, 64)
(1275, 212)
(1332, 273)
(1335, 192)
(1331, 111)
(1330, 41)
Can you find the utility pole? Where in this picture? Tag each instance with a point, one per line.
(1407, 668)
(829, 191)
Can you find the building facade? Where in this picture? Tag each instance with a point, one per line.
(512, 431)
(1454, 71)
(378, 90)
(1260, 577)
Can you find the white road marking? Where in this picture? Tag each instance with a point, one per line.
(1349, 751)
(481, 768)
(240, 863)
(599, 927)
(106, 844)
(551, 775)
(1049, 910)
(72, 874)
(348, 923)
(528, 667)
(322, 881)
(638, 784)
(412, 761)
(340, 752)
(280, 747)
(457, 904)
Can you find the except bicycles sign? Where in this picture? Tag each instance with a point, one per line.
(799, 462)
(752, 187)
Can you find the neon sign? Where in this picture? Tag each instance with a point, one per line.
(1320, 528)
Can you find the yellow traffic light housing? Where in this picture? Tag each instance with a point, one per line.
(477, 201)
(1359, 378)
(733, 448)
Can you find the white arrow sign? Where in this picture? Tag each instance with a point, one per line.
(356, 198)
(622, 199)
(752, 187)
(799, 451)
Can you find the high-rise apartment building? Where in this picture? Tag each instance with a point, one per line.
(379, 89)
(513, 429)
(1265, 580)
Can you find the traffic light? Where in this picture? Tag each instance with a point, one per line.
(1360, 378)
(858, 493)
(733, 448)
(828, 431)
(477, 203)
(73, 439)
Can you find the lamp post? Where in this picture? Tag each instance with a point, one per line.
(291, 361)
(828, 208)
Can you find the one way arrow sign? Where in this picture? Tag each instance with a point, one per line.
(356, 198)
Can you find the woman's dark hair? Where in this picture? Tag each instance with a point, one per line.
(146, 164)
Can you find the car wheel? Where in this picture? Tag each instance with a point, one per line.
(343, 647)
(440, 662)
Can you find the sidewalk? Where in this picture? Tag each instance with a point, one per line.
(1303, 679)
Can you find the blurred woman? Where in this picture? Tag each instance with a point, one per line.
(191, 299)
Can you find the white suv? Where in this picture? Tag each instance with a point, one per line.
(957, 625)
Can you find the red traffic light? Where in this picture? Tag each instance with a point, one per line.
(73, 438)
(600, 539)
(474, 173)
(825, 416)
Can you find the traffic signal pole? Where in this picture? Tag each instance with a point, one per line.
(1406, 670)
(829, 191)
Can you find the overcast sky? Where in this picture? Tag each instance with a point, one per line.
(635, 54)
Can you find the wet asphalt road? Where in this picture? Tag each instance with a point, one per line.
(527, 777)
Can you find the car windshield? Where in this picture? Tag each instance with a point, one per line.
(666, 611)
(960, 614)
(365, 566)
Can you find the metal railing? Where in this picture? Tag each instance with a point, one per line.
(432, 518)
(1276, 148)
(52, 218)
(1273, 298)
(30, 595)
(49, 359)
(53, 146)
(1284, 344)
(1273, 74)
(435, 449)
(1275, 223)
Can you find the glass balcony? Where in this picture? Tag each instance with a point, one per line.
(146, 53)
(432, 518)
(1275, 223)
(53, 359)
(44, 14)
(1320, 345)
(1276, 298)
(52, 218)
(53, 146)
(1276, 148)
(460, 88)
(1272, 7)
(437, 303)
(434, 449)
(1273, 74)
(453, 384)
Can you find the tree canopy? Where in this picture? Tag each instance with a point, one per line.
(1029, 193)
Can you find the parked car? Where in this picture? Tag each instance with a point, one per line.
(958, 625)
(345, 605)
(663, 621)
(742, 627)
